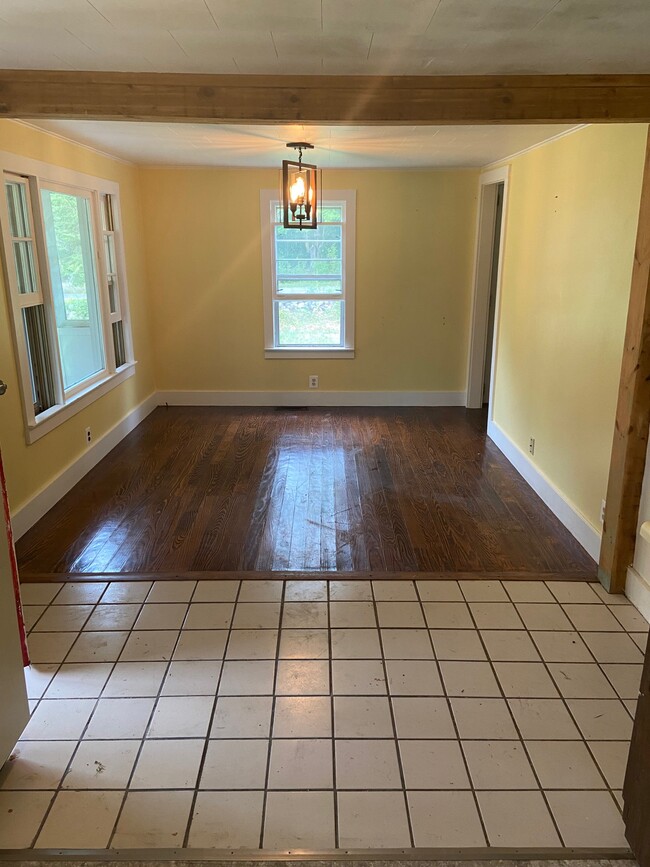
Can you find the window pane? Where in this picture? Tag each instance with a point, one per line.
(18, 210)
(318, 254)
(112, 293)
(109, 248)
(19, 225)
(322, 233)
(309, 267)
(118, 344)
(325, 231)
(309, 323)
(330, 214)
(293, 251)
(40, 364)
(107, 213)
(292, 248)
(25, 269)
(71, 261)
(298, 286)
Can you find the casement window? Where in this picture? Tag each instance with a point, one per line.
(64, 271)
(309, 280)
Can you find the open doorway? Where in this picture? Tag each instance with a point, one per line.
(487, 275)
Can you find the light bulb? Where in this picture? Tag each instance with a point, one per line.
(298, 190)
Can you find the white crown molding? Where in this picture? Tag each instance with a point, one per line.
(534, 147)
(321, 165)
(74, 141)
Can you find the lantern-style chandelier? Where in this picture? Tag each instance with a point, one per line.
(299, 190)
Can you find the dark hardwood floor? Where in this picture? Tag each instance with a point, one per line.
(383, 489)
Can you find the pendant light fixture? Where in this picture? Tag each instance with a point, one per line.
(299, 190)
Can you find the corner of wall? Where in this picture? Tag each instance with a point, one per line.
(25, 517)
(637, 590)
(575, 522)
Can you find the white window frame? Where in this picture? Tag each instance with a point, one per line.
(268, 201)
(38, 174)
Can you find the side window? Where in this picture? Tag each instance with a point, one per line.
(65, 274)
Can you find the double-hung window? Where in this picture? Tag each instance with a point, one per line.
(64, 271)
(309, 279)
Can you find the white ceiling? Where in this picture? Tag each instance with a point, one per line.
(335, 146)
(328, 36)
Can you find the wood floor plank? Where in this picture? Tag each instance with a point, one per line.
(349, 516)
(199, 490)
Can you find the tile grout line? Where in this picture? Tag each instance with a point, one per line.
(76, 632)
(46, 607)
(272, 719)
(583, 738)
(59, 788)
(452, 716)
(206, 746)
(180, 631)
(567, 707)
(335, 793)
(564, 700)
(516, 725)
(342, 695)
(594, 661)
(161, 686)
(159, 789)
(580, 633)
(392, 718)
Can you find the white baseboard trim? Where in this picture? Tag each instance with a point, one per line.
(42, 502)
(637, 590)
(562, 508)
(312, 398)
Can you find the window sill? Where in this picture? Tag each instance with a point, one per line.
(59, 414)
(306, 352)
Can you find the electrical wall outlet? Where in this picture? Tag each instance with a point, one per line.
(313, 382)
(89, 435)
(602, 511)
(531, 445)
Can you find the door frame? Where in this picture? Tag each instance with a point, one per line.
(484, 248)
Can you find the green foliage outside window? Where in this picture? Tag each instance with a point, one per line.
(310, 263)
(70, 257)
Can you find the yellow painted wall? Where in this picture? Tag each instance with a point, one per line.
(571, 224)
(30, 468)
(415, 238)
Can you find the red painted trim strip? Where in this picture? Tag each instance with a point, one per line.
(14, 564)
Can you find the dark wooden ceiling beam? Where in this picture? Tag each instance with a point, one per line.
(41, 94)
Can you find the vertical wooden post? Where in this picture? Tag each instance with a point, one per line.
(632, 414)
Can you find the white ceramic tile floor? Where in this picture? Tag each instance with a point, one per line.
(323, 714)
